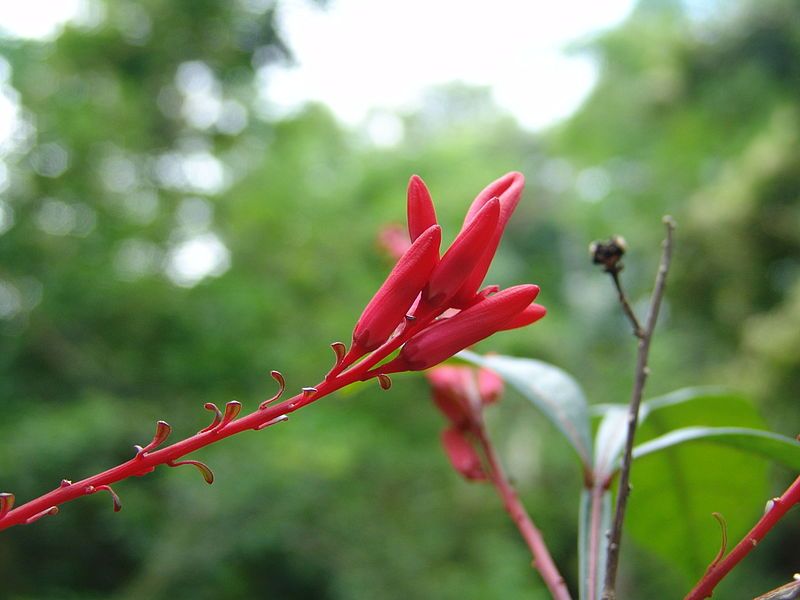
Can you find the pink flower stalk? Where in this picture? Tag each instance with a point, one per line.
(444, 338)
(393, 299)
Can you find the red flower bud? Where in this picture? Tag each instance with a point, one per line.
(530, 315)
(444, 338)
(421, 213)
(391, 302)
(462, 455)
(508, 189)
(450, 386)
(462, 256)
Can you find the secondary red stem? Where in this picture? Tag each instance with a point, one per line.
(780, 506)
(532, 536)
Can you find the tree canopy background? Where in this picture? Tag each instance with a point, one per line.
(119, 170)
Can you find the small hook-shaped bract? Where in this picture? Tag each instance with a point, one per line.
(92, 489)
(206, 471)
(278, 419)
(6, 503)
(53, 510)
(232, 409)
(217, 416)
(385, 381)
(163, 429)
(277, 376)
(723, 541)
(308, 392)
(339, 349)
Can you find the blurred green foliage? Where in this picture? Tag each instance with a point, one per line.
(143, 137)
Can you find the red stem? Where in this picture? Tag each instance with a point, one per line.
(145, 462)
(780, 506)
(532, 536)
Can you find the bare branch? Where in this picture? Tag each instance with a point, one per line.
(642, 371)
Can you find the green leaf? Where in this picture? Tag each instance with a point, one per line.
(610, 440)
(551, 390)
(594, 520)
(611, 434)
(779, 448)
(676, 490)
(686, 396)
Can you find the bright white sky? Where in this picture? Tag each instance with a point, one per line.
(359, 55)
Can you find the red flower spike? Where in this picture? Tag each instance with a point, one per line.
(490, 386)
(444, 338)
(530, 315)
(460, 259)
(450, 385)
(462, 455)
(388, 306)
(508, 189)
(421, 214)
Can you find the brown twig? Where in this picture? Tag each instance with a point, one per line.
(626, 306)
(642, 371)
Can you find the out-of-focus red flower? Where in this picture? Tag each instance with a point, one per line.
(460, 393)
(463, 456)
(490, 386)
(394, 240)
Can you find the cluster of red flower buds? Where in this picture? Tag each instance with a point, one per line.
(432, 304)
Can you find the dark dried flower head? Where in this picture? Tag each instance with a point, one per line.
(609, 253)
